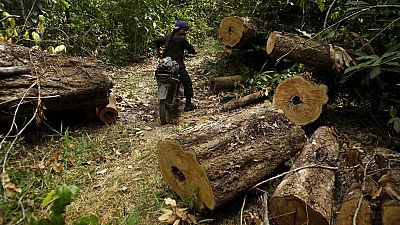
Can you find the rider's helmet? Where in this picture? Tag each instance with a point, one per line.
(180, 24)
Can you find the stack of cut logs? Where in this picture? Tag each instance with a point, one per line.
(35, 84)
(215, 162)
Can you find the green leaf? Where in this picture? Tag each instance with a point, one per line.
(88, 220)
(393, 112)
(36, 37)
(321, 5)
(60, 49)
(133, 219)
(51, 196)
(65, 194)
(375, 72)
(51, 50)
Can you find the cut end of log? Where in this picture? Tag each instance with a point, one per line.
(348, 209)
(184, 174)
(391, 212)
(271, 42)
(109, 114)
(291, 211)
(300, 100)
(231, 30)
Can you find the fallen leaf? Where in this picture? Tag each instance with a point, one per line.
(181, 212)
(71, 160)
(39, 167)
(57, 167)
(170, 201)
(102, 172)
(166, 216)
(177, 222)
(11, 189)
(192, 219)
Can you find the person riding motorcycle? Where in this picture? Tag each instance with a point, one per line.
(175, 45)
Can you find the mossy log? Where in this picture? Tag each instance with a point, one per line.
(239, 32)
(309, 52)
(306, 196)
(225, 83)
(63, 83)
(300, 99)
(214, 162)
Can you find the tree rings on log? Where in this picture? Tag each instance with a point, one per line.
(306, 196)
(391, 212)
(109, 113)
(238, 31)
(301, 100)
(214, 162)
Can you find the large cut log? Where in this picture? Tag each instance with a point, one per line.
(301, 100)
(350, 203)
(62, 83)
(391, 212)
(252, 98)
(214, 162)
(239, 32)
(225, 83)
(306, 196)
(309, 52)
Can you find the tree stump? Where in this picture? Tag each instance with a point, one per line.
(239, 32)
(301, 100)
(225, 83)
(63, 83)
(306, 196)
(309, 52)
(214, 162)
(349, 205)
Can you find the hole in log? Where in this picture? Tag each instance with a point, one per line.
(177, 174)
(109, 115)
(296, 100)
(230, 30)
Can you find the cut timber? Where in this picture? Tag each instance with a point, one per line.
(306, 196)
(390, 212)
(225, 83)
(309, 52)
(238, 32)
(247, 100)
(349, 205)
(65, 84)
(301, 100)
(109, 113)
(214, 162)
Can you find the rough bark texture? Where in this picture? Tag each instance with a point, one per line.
(109, 113)
(217, 161)
(301, 100)
(63, 83)
(239, 32)
(306, 196)
(349, 205)
(247, 100)
(298, 49)
(225, 83)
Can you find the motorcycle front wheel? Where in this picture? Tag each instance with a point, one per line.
(164, 111)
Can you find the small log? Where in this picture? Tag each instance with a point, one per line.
(239, 32)
(214, 162)
(13, 71)
(390, 212)
(309, 52)
(301, 100)
(349, 205)
(306, 196)
(109, 113)
(225, 83)
(247, 100)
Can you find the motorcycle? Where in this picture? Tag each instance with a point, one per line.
(168, 83)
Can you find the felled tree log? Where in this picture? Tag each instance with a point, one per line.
(247, 100)
(225, 83)
(306, 196)
(349, 205)
(390, 212)
(309, 52)
(214, 162)
(109, 113)
(63, 83)
(239, 32)
(301, 100)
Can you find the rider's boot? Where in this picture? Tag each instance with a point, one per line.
(189, 106)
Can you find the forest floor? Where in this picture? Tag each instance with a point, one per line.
(116, 166)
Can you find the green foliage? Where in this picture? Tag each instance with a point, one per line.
(395, 121)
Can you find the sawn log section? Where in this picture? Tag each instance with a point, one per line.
(216, 161)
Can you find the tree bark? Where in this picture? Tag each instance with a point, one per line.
(301, 100)
(225, 83)
(247, 100)
(349, 205)
(62, 83)
(306, 196)
(239, 32)
(309, 52)
(214, 162)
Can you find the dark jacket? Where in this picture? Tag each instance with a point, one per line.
(177, 49)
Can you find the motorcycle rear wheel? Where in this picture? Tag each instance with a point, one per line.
(164, 111)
